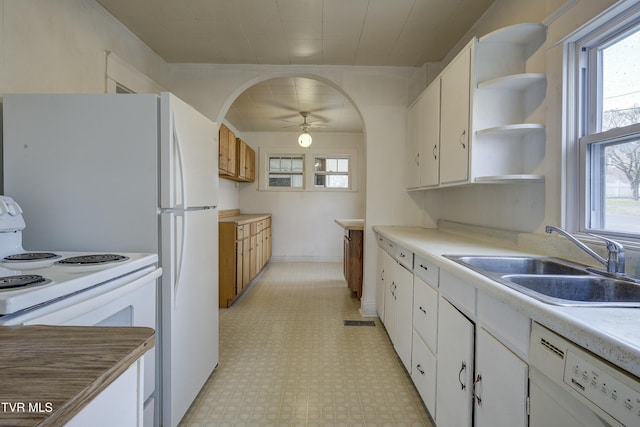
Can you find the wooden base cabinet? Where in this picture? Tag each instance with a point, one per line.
(244, 249)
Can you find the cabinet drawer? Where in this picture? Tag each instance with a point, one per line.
(425, 312)
(423, 373)
(426, 270)
(242, 231)
(458, 292)
(404, 257)
(386, 244)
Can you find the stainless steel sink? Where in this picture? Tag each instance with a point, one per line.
(578, 290)
(520, 265)
(555, 281)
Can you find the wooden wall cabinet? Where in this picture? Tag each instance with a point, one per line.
(236, 159)
(244, 249)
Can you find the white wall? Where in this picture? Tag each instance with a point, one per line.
(303, 221)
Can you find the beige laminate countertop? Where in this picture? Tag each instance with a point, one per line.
(244, 218)
(611, 333)
(351, 224)
(62, 368)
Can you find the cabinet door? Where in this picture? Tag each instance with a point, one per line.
(455, 367)
(403, 312)
(223, 150)
(242, 159)
(501, 383)
(246, 261)
(231, 153)
(454, 120)
(251, 160)
(380, 283)
(239, 261)
(430, 136)
(414, 132)
(389, 295)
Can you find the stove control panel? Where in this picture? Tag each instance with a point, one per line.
(10, 215)
(616, 393)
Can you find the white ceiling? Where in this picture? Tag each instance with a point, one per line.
(322, 32)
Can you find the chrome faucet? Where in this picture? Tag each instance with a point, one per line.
(615, 251)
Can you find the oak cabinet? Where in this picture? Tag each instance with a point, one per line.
(244, 249)
(227, 158)
(236, 159)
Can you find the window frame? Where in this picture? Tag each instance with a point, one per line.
(584, 113)
(326, 173)
(269, 172)
(309, 173)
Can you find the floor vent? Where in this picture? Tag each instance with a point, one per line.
(359, 323)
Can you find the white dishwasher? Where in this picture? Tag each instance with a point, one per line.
(569, 386)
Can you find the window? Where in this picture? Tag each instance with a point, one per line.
(331, 172)
(286, 171)
(309, 170)
(608, 127)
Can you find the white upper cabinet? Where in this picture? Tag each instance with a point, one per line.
(491, 124)
(454, 119)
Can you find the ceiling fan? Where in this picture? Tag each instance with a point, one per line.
(305, 139)
(305, 125)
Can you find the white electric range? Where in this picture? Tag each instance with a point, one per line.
(77, 288)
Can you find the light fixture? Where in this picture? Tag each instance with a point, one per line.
(305, 139)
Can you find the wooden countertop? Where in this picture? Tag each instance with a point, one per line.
(351, 224)
(244, 218)
(62, 368)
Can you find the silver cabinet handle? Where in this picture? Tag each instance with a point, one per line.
(462, 368)
(422, 310)
(461, 139)
(419, 368)
(478, 398)
(435, 152)
(424, 267)
(417, 159)
(402, 255)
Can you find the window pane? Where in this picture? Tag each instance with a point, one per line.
(320, 164)
(343, 165)
(297, 164)
(621, 83)
(279, 180)
(337, 181)
(332, 165)
(285, 164)
(274, 164)
(615, 182)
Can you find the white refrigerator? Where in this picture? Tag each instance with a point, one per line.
(128, 173)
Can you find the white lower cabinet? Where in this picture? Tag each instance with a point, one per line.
(455, 367)
(380, 287)
(495, 381)
(501, 384)
(398, 309)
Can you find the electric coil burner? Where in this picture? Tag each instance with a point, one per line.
(95, 259)
(22, 281)
(30, 256)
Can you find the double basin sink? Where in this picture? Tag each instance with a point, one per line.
(555, 281)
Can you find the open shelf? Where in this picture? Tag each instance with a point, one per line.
(513, 82)
(506, 179)
(519, 129)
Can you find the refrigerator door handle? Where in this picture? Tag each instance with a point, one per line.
(180, 245)
(180, 183)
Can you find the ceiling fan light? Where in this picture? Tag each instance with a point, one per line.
(305, 139)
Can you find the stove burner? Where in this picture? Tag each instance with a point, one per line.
(31, 256)
(12, 282)
(92, 259)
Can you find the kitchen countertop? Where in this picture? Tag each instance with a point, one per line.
(241, 219)
(351, 224)
(62, 368)
(611, 333)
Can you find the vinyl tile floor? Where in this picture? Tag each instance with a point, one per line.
(287, 359)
